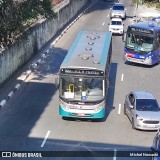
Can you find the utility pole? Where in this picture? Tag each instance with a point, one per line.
(137, 1)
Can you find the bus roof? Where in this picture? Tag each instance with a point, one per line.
(148, 25)
(89, 50)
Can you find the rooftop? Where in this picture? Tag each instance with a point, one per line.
(89, 50)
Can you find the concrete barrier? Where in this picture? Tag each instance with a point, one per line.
(34, 39)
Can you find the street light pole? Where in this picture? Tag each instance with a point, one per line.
(137, 11)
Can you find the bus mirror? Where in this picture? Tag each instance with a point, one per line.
(57, 81)
(131, 106)
(124, 37)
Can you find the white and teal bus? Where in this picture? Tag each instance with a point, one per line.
(83, 77)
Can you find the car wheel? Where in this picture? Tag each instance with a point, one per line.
(124, 110)
(133, 126)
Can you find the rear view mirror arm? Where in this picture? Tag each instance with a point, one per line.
(124, 36)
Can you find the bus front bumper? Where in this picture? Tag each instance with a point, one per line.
(82, 114)
(146, 61)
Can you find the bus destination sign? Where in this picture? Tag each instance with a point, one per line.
(140, 30)
(82, 72)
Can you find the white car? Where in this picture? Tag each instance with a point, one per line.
(118, 10)
(116, 26)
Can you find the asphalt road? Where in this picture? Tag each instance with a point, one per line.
(30, 120)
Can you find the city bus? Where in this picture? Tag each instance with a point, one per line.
(142, 42)
(83, 78)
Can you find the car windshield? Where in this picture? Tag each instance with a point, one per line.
(82, 89)
(118, 8)
(139, 43)
(147, 105)
(116, 23)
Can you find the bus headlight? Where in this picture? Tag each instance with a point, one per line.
(149, 57)
(99, 106)
(63, 104)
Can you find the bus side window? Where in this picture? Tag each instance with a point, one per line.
(157, 41)
(158, 37)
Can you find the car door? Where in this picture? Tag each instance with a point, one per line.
(131, 100)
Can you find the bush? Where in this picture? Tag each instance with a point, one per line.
(15, 15)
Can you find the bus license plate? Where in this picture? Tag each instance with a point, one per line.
(134, 60)
(80, 114)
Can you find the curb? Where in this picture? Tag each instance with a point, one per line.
(34, 65)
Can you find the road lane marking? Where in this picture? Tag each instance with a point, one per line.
(119, 109)
(122, 76)
(115, 154)
(108, 15)
(103, 23)
(44, 141)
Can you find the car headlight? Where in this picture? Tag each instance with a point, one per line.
(139, 118)
(149, 57)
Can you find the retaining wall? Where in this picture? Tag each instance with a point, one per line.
(34, 39)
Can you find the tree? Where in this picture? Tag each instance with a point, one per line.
(15, 14)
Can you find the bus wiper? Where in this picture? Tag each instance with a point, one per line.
(74, 101)
(92, 80)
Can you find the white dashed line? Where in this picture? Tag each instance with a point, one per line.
(10, 94)
(103, 23)
(122, 77)
(119, 109)
(17, 86)
(3, 102)
(44, 141)
(115, 154)
(107, 15)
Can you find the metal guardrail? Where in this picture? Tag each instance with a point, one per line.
(61, 5)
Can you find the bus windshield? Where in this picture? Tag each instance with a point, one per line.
(81, 89)
(139, 42)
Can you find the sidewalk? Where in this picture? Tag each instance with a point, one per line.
(145, 12)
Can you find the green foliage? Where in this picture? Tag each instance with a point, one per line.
(16, 15)
(158, 5)
(1, 2)
(46, 5)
